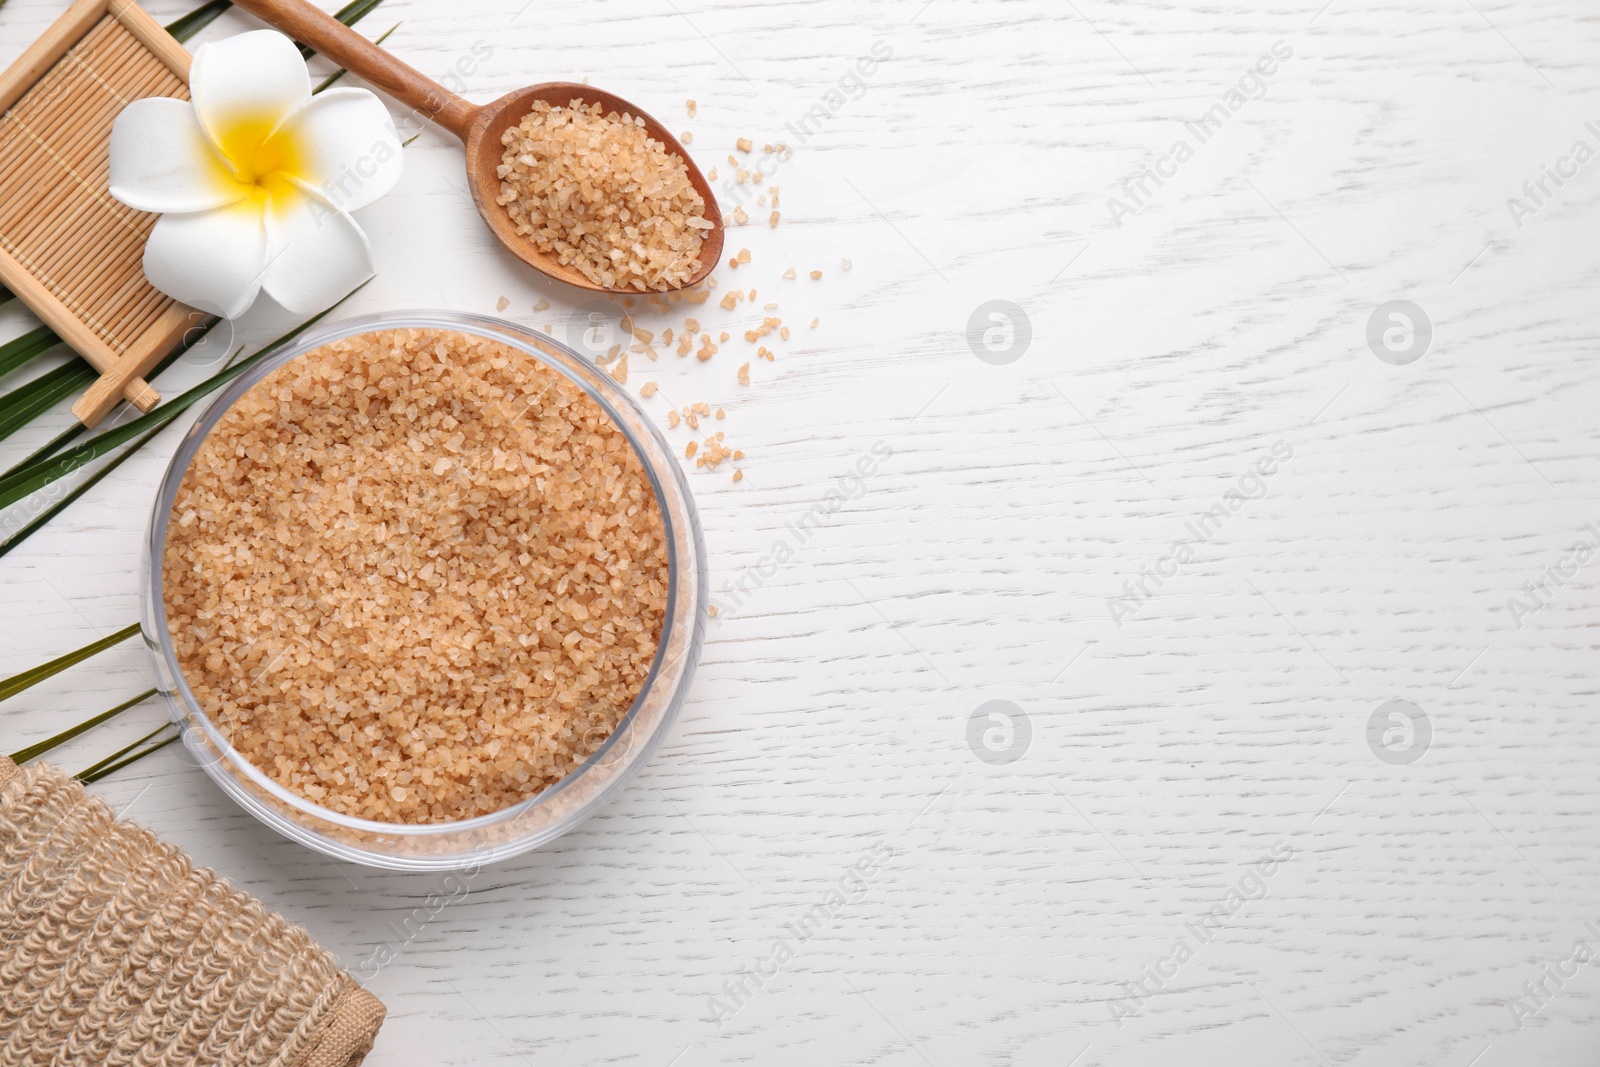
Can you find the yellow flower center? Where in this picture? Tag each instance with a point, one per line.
(257, 155)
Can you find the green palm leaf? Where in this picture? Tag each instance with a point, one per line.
(19, 350)
(34, 751)
(38, 395)
(78, 429)
(94, 775)
(198, 19)
(10, 687)
(204, 15)
(341, 72)
(19, 482)
(114, 762)
(349, 14)
(87, 484)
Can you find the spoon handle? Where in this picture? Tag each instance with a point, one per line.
(349, 49)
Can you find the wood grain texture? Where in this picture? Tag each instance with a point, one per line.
(1225, 716)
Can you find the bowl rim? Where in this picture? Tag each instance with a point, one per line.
(497, 329)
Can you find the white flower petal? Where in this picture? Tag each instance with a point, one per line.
(316, 253)
(161, 160)
(344, 144)
(211, 260)
(245, 86)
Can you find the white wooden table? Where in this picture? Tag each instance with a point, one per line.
(1175, 738)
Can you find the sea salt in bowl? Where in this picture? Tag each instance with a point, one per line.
(435, 842)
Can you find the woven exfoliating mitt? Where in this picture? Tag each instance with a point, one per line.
(115, 949)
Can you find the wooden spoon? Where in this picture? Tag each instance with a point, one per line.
(480, 127)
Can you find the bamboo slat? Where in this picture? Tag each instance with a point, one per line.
(69, 250)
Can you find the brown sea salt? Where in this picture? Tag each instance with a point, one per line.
(602, 195)
(417, 576)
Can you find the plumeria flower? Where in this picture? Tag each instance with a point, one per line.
(255, 179)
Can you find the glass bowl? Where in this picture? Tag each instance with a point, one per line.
(540, 818)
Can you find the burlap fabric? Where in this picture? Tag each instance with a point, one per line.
(115, 949)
